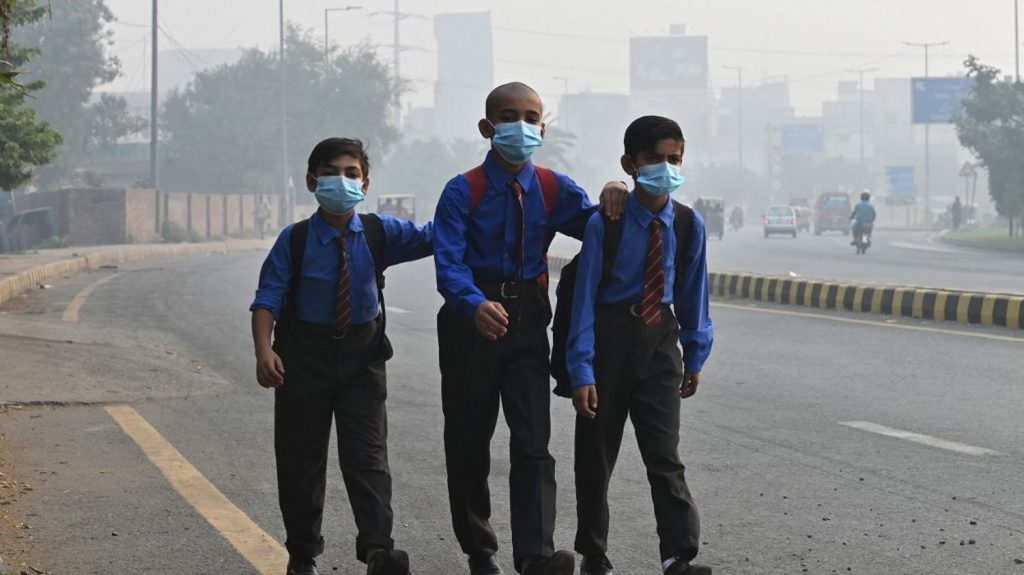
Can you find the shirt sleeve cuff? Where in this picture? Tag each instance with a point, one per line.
(273, 310)
(470, 303)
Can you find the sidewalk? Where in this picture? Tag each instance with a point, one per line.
(25, 271)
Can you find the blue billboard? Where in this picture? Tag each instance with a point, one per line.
(937, 100)
(901, 184)
(803, 138)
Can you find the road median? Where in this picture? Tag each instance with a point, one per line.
(35, 272)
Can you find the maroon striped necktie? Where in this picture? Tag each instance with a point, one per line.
(518, 189)
(343, 305)
(654, 278)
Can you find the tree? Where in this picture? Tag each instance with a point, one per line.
(991, 125)
(223, 131)
(558, 145)
(72, 58)
(24, 140)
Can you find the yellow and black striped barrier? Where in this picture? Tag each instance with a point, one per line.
(919, 303)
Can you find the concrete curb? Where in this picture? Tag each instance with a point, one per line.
(919, 303)
(995, 246)
(16, 284)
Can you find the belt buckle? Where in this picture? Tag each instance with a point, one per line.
(504, 295)
(636, 310)
(340, 337)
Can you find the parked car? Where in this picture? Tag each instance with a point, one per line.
(398, 205)
(832, 213)
(780, 220)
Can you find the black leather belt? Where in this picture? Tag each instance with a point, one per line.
(508, 290)
(330, 331)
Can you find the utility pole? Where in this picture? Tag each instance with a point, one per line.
(1016, 41)
(398, 74)
(154, 172)
(927, 146)
(327, 41)
(862, 71)
(739, 113)
(285, 194)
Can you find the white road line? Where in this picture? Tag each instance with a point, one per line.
(919, 438)
(398, 310)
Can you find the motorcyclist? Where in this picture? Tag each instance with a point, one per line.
(736, 217)
(863, 216)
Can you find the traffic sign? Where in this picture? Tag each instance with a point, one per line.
(901, 185)
(803, 138)
(968, 171)
(937, 100)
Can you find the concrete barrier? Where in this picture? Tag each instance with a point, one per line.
(15, 284)
(920, 303)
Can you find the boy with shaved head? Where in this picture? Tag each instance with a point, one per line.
(493, 227)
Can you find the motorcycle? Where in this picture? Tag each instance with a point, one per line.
(862, 237)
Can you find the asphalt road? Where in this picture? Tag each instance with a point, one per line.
(895, 258)
(783, 485)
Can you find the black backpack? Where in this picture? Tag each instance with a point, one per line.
(683, 228)
(373, 229)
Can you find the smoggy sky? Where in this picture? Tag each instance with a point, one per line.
(551, 43)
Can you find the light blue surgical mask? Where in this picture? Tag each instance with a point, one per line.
(660, 179)
(338, 195)
(516, 141)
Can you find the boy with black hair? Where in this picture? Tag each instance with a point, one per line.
(493, 228)
(622, 349)
(320, 295)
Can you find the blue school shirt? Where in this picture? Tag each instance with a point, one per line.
(321, 268)
(485, 243)
(625, 284)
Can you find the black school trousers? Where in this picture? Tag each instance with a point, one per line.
(329, 378)
(638, 371)
(478, 376)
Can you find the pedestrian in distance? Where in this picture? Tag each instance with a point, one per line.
(261, 216)
(957, 213)
(493, 228)
(628, 314)
(321, 297)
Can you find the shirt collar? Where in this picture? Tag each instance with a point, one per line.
(643, 216)
(326, 233)
(499, 178)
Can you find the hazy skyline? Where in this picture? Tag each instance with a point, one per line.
(812, 42)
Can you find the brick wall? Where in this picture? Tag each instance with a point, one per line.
(141, 215)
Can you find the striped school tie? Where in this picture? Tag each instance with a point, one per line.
(654, 279)
(343, 305)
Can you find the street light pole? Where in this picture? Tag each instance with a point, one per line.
(739, 113)
(927, 147)
(285, 194)
(862, 71)
(1016, 41)
(327, 42)
(154, 172)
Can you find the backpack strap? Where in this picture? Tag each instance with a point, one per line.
(610, 246)
(376, 239)
(297, 252)
(683, 224)
(549, 187)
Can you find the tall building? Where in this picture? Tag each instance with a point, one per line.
(765, 110)
(465, 73)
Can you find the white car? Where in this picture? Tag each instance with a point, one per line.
(780, 220)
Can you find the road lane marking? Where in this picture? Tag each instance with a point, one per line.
(71, 313)
(254, 544)
(398, 310)
(870, 322)
(919, 438)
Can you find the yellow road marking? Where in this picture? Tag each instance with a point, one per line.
(988, 309)
(876, 300)
(940, 306)
(71, 313)
(870, 323)
(897, 301)
(918, 305)
(258, 548)
(963, 307)
(1013, 313)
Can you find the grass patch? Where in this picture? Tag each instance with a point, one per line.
(987, 235)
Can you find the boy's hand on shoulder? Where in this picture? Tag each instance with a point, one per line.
(691, 379)
(269, 369)
(584, 399)
(613, 199)
(491, 320)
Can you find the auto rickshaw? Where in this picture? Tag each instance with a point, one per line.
(398, 205)
(712, 210)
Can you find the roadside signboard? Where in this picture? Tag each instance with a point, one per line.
(803, 138)
(937, 100)
(901, 185)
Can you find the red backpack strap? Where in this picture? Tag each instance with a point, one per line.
(477, 179)
(549, 187)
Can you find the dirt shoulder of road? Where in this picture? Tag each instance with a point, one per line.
(992, 240)
(17, 543)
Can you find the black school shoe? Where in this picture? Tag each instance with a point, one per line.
(561, 563)
(680, 568)
(484, 565)
(596, 565)
(384, 562)
(296, 567)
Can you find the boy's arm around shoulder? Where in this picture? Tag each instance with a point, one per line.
(407, 241)
(692, 301)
